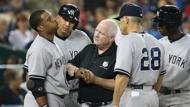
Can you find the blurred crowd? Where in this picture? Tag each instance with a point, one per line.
(16, 33)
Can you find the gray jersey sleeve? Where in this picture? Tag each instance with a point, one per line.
(124, 57)
(38, 62)
(86, 37)
(163, 66)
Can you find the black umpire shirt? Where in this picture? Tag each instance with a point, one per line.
(102, 66)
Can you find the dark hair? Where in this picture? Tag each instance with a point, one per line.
(15, 59)
(21, 17)
(10, 75)
(35, 19)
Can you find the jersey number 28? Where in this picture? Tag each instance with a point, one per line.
(154, 62)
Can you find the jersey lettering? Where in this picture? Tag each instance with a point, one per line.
(173, 59)
(73, 53)
(59, 62)
(155, 59)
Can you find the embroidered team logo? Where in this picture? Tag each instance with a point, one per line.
(71, 12)
(105, 64)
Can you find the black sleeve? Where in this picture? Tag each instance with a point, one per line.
(76, 60)
(36, 86)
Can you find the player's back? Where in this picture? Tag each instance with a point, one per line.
(144, 58)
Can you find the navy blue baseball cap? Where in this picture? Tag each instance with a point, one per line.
(130, 9)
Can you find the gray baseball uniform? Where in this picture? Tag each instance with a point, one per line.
(141, 57)
(177, 59)
(44, 60)
(71, 47)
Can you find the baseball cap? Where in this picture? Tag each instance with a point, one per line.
(130, 9)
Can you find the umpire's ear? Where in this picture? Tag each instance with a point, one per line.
(113, 38)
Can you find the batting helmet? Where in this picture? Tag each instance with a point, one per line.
(70, 12)
(169, 15)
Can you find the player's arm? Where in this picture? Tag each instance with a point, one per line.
(73, 65)
(158, 84)
(71, 69)
(104, 83)
(121, 82)
(90, 78)
(38, 63)
(36, 86)
(123, 68)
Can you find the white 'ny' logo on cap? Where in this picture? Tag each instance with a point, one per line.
(71, 12)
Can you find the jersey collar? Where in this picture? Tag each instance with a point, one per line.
(108, 51)
(63, 38)
(182, 35)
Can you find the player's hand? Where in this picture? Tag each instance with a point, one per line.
(80, 73)
(89, 76)
(71, 69)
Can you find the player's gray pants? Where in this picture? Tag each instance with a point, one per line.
(71, 100)
(146, 97)
(175, 100)
(53, 101)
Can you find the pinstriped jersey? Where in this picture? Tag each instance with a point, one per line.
(177, 59)
(44, 61)
(141, 57)
(71, 46)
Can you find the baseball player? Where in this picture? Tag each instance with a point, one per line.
(139, 63)
(175, 91)
(44, 61)
(71, 41)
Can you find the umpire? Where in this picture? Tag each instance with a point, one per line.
(96, 83)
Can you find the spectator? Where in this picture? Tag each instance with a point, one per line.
(12, 60)
(15, 6)
(3, 29)
(11, 93)
(100, 14)
(111, 7)
(149, 26)
(186, 25)
(20, 37)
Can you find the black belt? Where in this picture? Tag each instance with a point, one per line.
(73, 90)
(166, 91)
(136, 86)
(95, 104)
(61, 96)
